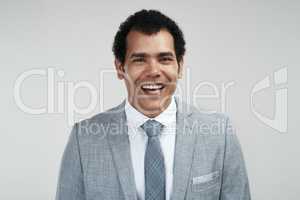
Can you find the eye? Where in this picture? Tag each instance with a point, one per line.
(138, 60)
(166, 59)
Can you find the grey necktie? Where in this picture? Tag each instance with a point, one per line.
(155, 179)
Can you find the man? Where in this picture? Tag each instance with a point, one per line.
(152, 145)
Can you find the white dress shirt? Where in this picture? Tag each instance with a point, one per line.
(138, 142)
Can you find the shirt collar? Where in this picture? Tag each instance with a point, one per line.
(135, 118)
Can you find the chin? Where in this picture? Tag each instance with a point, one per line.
(150, 105)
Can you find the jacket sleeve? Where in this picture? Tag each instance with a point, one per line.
(235, 185)
(70, 181)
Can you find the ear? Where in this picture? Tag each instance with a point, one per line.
(180, 66)
(120, 69)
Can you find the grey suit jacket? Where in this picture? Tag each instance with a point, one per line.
(208, 162)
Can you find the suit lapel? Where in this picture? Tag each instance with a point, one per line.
(120, 147)
(184, 149)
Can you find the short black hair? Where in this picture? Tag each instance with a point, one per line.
(148, 22)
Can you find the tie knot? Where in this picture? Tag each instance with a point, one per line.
(152, 128)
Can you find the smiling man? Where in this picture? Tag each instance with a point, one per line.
(150, 70)
(152, 146)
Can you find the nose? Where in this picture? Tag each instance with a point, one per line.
(153, 69)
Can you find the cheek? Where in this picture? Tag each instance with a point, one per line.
(131, 77)
(134, 74)
(171, 74)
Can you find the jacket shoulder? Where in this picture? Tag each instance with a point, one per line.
(99, 124)
(214, 124)
(105, 116)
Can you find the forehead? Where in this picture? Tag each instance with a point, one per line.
(138, 42)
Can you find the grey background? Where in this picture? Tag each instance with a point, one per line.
(240, 41)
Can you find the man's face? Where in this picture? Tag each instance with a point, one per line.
(150, 71)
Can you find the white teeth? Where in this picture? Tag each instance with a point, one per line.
(152, 86)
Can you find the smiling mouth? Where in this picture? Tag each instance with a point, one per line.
(152, 88)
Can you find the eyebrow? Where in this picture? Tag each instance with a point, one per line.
(138, 55)
(161, 54)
